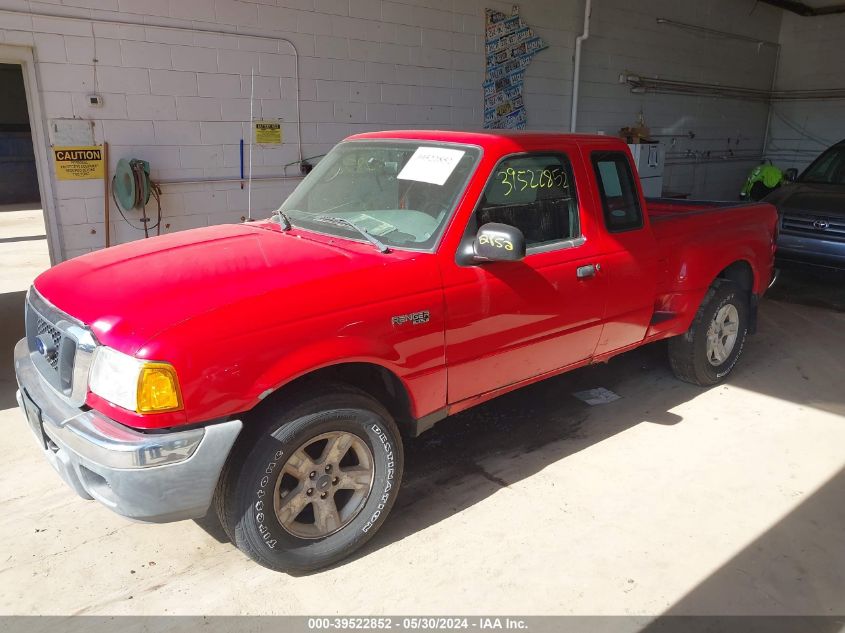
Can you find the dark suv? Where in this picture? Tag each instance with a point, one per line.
(812, 212)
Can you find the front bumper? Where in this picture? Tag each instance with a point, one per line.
(153, 477)
(811, 250)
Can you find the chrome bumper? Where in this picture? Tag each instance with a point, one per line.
(154, 477)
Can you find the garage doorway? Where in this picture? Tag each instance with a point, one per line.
(18, 178)
(25, 235)
(28, 230)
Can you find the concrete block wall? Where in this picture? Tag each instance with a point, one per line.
(180, 98)
(728, 134)
(810, 60)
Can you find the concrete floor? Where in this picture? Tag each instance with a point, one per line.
(671, 500)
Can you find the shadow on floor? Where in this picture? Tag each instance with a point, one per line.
(23, 238)
(797, 567)
(522, 432)
(810, 286)
(11, 331)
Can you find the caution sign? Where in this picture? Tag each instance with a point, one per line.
(268, 132)
(78, 163)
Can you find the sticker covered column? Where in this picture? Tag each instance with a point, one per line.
(510, 45)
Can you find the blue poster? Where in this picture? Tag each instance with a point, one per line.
(509, 46)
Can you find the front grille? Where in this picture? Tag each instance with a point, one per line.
(56, 364)
(824, 228)
(44, 327)
(66, 351)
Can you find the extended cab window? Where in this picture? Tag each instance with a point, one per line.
(534, 193)
(618, 191)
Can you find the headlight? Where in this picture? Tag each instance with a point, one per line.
(136, 385)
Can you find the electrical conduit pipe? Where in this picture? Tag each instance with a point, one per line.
(576, 75)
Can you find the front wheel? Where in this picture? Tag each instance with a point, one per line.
(315, 483)
(707, 352)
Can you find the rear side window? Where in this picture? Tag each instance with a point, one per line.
(618, 192)
(534, 193)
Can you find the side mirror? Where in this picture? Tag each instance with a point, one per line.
(790, 175)
(496, 242)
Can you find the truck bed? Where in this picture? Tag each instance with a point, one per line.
(698, 239)
(693, 221)
(659, 208)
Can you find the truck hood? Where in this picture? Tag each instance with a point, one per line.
(129, 293)
(810, 199)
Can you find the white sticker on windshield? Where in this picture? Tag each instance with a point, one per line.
(431, 164)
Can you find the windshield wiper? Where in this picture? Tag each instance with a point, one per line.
(284, 220)
(344, 222)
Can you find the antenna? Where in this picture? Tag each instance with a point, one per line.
(251, 135)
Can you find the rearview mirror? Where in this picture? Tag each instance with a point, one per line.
(499, 243)
(790, 175)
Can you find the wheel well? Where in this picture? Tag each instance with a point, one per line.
(375, 380)
(741, 273)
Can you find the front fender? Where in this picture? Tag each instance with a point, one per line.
(426, 388)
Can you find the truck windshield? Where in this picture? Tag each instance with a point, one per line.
(400, 192)
(827, 169)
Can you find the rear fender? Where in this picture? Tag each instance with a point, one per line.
(691, 283)
(709, 273)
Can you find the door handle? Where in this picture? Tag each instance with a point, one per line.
(585, 272)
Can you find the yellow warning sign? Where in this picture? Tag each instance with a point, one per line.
(78, 163)
(268, 132)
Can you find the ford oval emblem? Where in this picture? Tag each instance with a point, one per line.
(44, 344)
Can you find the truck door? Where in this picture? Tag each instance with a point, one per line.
(510, 321)
(631, 252)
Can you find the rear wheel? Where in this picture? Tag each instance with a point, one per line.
(315, 482)
(707, 352)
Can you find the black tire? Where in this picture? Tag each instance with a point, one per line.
(245, 492)
(688, 352)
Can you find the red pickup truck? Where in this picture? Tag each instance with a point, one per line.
(272, 369)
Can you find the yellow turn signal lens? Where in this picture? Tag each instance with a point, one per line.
(158, 389)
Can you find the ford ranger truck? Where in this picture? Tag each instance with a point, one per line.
(272, 370)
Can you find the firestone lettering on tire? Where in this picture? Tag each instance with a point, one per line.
(388, 484)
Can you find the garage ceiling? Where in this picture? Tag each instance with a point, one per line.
(809, 8)
(817, 4)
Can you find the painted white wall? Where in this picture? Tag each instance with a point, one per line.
(180, 99)
(626, 36)
(811, 58)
